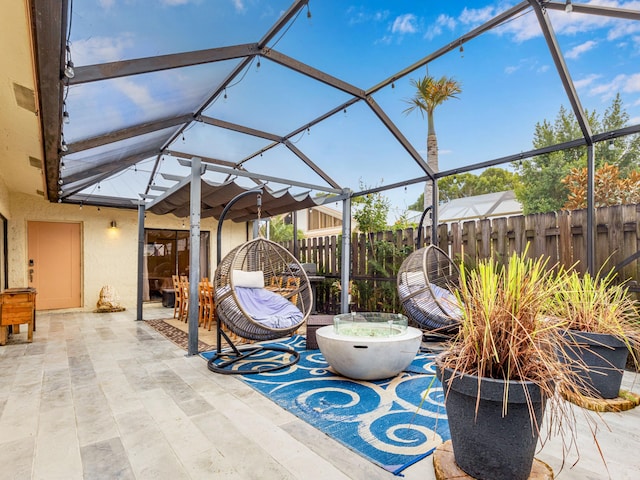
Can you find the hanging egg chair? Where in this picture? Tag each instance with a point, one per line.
(257, 265)
(261, 293)
(426, 281)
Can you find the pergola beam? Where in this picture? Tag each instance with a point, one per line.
(311, 72)
(614, 12)
(188, 156)
(239, 128)
(126, 133)
(269, 178)
(563, 71)
(399, 136)
(125, 68)
(50, 22)
(311, 165)
(110, 168)
(495, 21)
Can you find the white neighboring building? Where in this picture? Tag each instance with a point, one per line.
(478, 207)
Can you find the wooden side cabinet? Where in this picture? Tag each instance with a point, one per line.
(17, 307)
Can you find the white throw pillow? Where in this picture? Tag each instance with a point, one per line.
(240, 278)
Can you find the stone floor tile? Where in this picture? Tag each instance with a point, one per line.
(106, 460)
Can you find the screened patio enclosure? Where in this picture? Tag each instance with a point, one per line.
(273, 88)
(309, 97)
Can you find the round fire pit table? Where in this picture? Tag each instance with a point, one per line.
(369, 345)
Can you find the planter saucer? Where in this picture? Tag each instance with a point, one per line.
(625, 401)
(446, 468)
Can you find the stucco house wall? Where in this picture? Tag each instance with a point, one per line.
(109, 256)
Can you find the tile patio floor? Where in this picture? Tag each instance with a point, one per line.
(101, 396)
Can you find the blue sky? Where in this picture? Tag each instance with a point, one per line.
(509, 82)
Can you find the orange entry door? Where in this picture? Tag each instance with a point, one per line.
(53, 264)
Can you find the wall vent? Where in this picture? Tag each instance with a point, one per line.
(25, 97)
(35, 162)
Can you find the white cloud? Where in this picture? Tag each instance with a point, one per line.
(100, 49)
(446, 21)
(405, 24)
(436, 29)
(239, 6)
(385, 40)
(134, 92)
(521, 28)
(586, 81)
(608, 90)
(476, 16)
(361, 15)
(106, 4)
(631, 83)
(174, 3)
(526, 27)
(528, 64)
(578, 50)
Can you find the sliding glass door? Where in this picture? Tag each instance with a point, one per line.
(166, 254)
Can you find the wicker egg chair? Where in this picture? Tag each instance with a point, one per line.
(426, 280)
(282, 274)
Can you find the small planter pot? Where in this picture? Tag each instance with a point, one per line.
(490, 446)
(598, 359)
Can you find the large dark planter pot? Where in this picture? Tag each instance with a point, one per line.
(490, 446)
(599, 360)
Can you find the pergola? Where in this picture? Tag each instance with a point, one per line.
(138, 154)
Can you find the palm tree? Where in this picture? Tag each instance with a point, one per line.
(430, 93)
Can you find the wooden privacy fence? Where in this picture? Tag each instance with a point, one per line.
(561, 236)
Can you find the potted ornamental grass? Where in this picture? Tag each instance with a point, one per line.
(602, 330)
(501, 370)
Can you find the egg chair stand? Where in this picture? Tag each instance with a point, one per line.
(280, 273)
(426, 281)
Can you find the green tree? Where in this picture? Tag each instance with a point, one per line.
(431, 93)
(541, 188)
(280, 230)
(370, 211)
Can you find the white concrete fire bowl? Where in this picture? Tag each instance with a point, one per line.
(369, 345)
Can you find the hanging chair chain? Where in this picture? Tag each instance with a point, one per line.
(259, 201)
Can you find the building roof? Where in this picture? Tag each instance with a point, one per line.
(499, 204)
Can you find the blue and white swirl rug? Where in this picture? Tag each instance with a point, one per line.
(393, 423)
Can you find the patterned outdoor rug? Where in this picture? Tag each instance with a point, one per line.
(176, 335)
(393, 423)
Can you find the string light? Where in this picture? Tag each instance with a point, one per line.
(308, 11)
(611, 145)
(69, 72)
(568, 7)
(63, 145)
